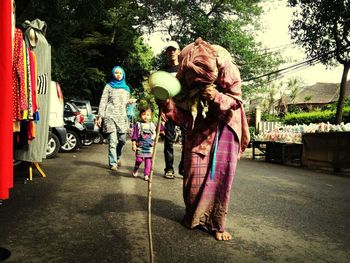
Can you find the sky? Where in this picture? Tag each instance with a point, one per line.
(276, 22)
(276, 35)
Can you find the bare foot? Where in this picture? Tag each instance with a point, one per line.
(223, 236)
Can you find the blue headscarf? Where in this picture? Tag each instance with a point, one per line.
(118, 84)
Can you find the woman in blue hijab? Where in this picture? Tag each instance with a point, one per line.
(118, 79)
(113, 115)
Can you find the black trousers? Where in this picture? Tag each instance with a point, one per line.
(169, 145)
(169, 139)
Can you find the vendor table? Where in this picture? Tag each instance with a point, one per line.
(280, 152)
(330, 149)
(259, 148)
(277, 151)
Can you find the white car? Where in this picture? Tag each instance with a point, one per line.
(57, 133)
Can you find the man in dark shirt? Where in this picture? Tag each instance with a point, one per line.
(172, 53)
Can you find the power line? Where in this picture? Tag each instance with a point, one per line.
(298, 68)
(266, 53)
(293, 70)
(276, 48)
(307, 63)
(281, 70)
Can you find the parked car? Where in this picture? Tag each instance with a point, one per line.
(92, 130)
(99, 138)
(74, 124)
(57, 131)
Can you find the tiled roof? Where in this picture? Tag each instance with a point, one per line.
(319, 93)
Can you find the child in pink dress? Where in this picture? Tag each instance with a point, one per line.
(143, 137)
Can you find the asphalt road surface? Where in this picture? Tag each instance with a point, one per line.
(82, 212)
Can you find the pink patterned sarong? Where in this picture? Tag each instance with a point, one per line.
(207, 200)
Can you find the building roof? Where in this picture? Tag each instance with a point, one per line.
(319, 93)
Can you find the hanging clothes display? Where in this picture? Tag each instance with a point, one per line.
(39, 54)
(24, 89)
(18, 76)
(6, 156)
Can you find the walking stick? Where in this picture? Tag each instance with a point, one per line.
(149, 195)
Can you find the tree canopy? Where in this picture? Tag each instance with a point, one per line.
(90, 37)
(232, 24)
(322, 28)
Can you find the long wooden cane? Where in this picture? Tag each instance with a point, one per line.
(149, 195)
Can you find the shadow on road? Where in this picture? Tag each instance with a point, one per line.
(120, 203)
(90, 163)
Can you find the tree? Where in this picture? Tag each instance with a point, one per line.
(294, 85)
(89, 37)
(231, 23)
(322, 28)
(271, 97)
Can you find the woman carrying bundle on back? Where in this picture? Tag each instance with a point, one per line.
(211, 109)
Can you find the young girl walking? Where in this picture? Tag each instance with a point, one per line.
(143, 137)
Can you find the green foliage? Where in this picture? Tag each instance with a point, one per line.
(252, 133)
(232, 24)
(322, 28)
(139, 64)
(333, 106)
(147, 100)
(307, 98)
(90, 37)
(269, 117)
(315, 117)
(161, 61)
(294, 109)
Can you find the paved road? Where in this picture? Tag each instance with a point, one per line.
(82, 212)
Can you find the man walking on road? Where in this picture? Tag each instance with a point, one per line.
(172, 53)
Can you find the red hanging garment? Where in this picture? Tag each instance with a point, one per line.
(6, 113)
(19, 76)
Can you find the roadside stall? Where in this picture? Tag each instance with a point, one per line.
(282, 145)
(331, 150)
(25, 65)
(321, 144)
(32, 117)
